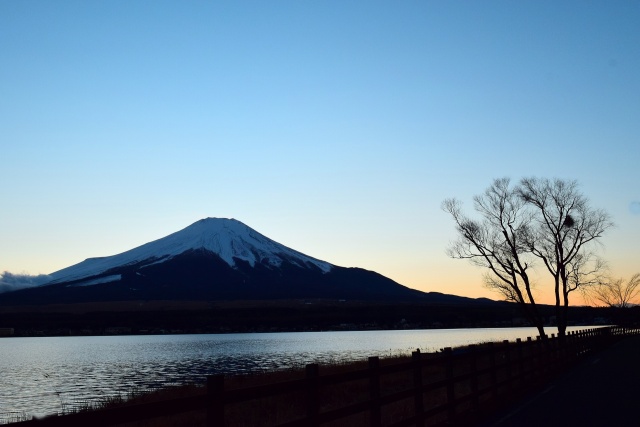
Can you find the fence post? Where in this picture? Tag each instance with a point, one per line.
(606, 332)
(451, 405)
(475, 398)
(508, 364)
(375, 417)
(577, 345)
(530, 358)
(215, 401)
(560, 351)
(520, 357)
(569, 350)
(542, 350)
(553, 354)
(313, 404)
(418, 402)
(492, 370)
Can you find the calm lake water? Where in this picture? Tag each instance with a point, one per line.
(45, 375)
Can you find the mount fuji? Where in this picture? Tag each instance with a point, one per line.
(212, 259)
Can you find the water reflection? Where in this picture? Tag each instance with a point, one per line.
(47, 375)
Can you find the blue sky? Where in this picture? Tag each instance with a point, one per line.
(335, 128)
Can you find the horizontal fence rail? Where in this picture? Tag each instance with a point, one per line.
(427, 389)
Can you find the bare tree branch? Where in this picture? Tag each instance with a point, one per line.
(499, 243)
(616, 292)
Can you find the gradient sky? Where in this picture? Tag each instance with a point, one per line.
(336, 128)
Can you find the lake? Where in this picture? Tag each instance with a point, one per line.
(45, 375)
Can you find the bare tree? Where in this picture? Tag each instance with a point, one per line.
(616, 292)
(586, 271)
(537, 220)
(565, 226)
(500, 242)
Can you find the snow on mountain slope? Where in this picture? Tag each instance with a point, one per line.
(228, 238)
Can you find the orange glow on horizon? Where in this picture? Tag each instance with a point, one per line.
(470, 285)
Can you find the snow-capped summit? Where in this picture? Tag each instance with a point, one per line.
(212, 259)
(230, 239)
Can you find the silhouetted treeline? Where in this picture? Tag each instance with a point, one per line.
(300, 316)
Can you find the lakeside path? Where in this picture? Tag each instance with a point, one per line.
(603, 391)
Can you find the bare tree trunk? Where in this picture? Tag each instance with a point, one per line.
(558, 305)
(533, 315)
(562, 326)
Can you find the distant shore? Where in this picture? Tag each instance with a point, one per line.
(196, 317)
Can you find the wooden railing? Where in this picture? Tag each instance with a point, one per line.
(450, 386)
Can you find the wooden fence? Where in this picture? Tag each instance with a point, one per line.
(450, 386)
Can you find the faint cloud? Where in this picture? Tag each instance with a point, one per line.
(12, 282)
(634, 207)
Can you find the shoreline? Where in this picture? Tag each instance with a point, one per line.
(490, 410)
(193, 317)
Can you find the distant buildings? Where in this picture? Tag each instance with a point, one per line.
(6, 332)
